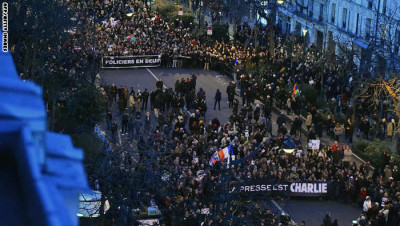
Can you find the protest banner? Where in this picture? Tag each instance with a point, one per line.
(131, 61)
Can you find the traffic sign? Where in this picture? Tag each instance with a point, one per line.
(209, 30)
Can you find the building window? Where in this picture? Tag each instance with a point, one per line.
(333, 13)
(321, 12)
(384, 6)
(310, 8)
(344, 18)
(300, 6)
(368, 28)
(369, 4)
(397, 42)
(358, 19)
(298, 28)
(287, 28)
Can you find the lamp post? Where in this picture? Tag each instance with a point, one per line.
(271, 24)
(93, 44)
(305, 30)
(200, 5)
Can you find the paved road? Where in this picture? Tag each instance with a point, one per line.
(146, 78)
(313, 211)
(210, 81)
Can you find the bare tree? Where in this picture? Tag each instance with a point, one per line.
(381, 90)
(389, 30)
(347, 55)
(216, 7)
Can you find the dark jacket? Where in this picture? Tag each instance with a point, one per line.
(137, 124)
(217, 95)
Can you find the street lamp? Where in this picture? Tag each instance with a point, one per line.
(129, 12)
(305, 31)
(273, 5)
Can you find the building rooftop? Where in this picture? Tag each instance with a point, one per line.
(41, 172)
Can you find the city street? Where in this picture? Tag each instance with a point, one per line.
(210, 81)
(110, 98)
(312, 211)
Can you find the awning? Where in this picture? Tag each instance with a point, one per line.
(361, 43)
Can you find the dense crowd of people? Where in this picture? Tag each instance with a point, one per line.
(190, 191)
(178, 125)
(288, 65)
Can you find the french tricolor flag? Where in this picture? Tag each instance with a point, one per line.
(221, 155)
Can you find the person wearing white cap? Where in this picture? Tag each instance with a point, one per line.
(367, 204)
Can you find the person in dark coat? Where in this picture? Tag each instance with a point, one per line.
(257, 112)
(281, 119)
(282, 129)
(114, 91)
(217, 99)
(203, 108)
(109, 119)
(327, 220)
(152, 99)
(114, 132)
(230, 90)
(250, 96)
(235, 104)
(269, 126)
(348, 132)
(336, 156)
(145, 99)
(147, 121)
(267, 107)
(137, 125)
(297, 124)
(130, 126)
(201, 94)
(177, 87)
(124, 122)
(193, 81)
(159, 84)
(312, 135)
(243, 93)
